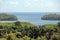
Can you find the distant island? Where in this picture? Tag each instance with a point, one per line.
(51, 17)
(7, 17)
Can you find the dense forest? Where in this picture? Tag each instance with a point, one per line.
(51, 17)
(7, 17)
(28, 31)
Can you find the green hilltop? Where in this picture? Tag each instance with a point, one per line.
(7, 17)
(51, 17)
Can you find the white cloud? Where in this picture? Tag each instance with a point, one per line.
(50, 4)
(16, 3)
(1, 1)
(35, 0)
(27, 4)
(46, 5)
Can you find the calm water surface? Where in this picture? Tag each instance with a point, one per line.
(34, 18)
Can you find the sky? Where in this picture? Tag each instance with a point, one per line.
(29, 5)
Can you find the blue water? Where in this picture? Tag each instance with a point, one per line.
(34, 18)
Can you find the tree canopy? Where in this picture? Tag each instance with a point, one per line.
(7, 17)
(51, 17)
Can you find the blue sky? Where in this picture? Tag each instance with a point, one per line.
(29, 5)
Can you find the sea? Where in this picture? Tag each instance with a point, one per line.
(34, 18)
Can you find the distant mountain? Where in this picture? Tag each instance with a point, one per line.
(51, 17)
(7, 17)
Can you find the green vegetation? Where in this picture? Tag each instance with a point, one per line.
(27, 31)
(7, 17)
(51, 17)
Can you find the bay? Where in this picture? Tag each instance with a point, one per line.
(34, 18)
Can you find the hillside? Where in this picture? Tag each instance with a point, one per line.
(51, 17)
(7, 17)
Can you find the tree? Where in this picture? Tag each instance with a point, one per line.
(7, 17)
(17, 23)
(58, 24)
(51, 17)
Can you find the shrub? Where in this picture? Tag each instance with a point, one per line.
(26, 38)
(18, 34)
(43, 38)
(11, 37)
(38, 38)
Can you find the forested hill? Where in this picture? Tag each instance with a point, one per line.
(51, 17)
(7, 17)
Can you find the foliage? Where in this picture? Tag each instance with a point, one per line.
(7, 17)
(11, 37)
(26, 38)
(50, 26)
(38, 38)
(56, 36)
(18, 34)
(29, 31)
(51, 17)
